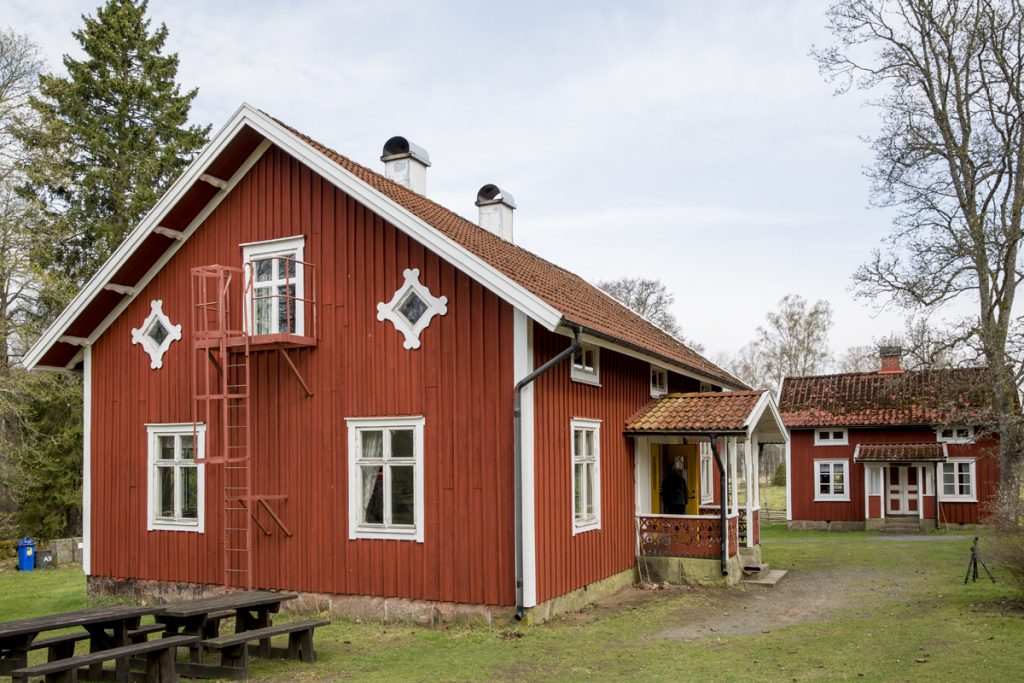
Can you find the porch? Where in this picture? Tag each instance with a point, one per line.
(901, 490)
(712, 443)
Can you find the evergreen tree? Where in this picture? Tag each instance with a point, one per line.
(111, 136)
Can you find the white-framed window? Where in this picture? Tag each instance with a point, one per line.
(955, 434)
(958, 480)
(832, 436)
(586, 365)
(586, 474)
(659, 381)
(385, 478)
(874, 475)
(707, 475)
(177, 483)
(928, 475)
(830, 481)
(411, 308)
(275, 283)
(156, 334)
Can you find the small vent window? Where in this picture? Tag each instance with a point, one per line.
(156, 334)
(412, 308)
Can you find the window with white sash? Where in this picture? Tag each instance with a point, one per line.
(275, 286)
(830, 480)
(176, 481)
(958, 479)
(586, 474)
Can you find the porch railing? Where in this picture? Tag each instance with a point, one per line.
(742, 524)
(698, 536)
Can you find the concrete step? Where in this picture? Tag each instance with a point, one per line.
(765, 579)
(754, 569)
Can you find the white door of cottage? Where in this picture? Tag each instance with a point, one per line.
(901, 488)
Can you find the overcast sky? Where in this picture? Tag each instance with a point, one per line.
(678, 140)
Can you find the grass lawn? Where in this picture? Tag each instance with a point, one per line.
(773, 498)
(875, 610)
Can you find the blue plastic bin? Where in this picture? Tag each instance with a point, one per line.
(26, 554)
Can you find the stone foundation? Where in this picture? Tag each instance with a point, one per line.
(576, 600)
(691, 570)
(816, 525)
(873, 524)
(359, 607)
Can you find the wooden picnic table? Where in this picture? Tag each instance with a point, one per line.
(252, 611)
(107, 627)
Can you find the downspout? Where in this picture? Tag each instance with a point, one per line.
(721, 499)
(518, 438)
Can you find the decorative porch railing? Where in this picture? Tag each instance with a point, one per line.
(698, 536)
(742, 525)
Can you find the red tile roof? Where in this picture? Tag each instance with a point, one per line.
(578, 301)
(726, 411)
(899, 452)
(928, 397)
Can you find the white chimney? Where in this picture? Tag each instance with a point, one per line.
(496, 207)
(406, 164)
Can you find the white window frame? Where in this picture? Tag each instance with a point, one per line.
(436, 305)
(290, 247)
(928, 477)
(825, 437)
(580, 370)
(707, 475)
(955, 438)
(594, 523)
(972, 497)
(176, 523)
(140, 335)
(659, 381)
(357, 530)
(832, 496)
(875, 480)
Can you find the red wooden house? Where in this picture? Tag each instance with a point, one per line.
(303, 374)
(888, 449)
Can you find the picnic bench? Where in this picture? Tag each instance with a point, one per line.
(105, 628)
(234, 648)
(159, 653)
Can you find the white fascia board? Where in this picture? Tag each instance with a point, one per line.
(503, 286)
(135, 238)
(633, 353)
(766, 402)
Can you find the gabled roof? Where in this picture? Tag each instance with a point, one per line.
(900, 452)
(873, 399)
(727, 412)
(550, 295)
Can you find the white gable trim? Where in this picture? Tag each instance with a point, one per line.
(275, 133)
(766, 402)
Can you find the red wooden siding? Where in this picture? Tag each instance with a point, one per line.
(566, 562)
(460, 380)
(803, 453)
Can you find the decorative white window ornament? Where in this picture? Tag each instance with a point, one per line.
(411, 308)
(156, 334)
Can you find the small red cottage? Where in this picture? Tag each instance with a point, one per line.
(889, 449)
(302, 374)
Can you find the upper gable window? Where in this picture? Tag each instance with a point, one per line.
(659, 381)
(586, 365)
(831, 437)
(958, 434)
(156, 334)
(275, 286)
(411, 308)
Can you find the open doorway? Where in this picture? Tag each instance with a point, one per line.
(685, 459)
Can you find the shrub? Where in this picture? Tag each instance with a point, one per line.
(779, 478)
(1006, 551)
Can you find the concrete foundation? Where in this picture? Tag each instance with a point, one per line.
(816, 525)
(691, 570)
(580, 598)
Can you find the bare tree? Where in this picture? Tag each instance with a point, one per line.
(20, 66)
(950, 158)
(795, 340)
(651, 299)
(858, 359)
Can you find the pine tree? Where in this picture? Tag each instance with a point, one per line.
(112, 135)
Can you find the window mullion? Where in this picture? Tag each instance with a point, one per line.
(386, 476)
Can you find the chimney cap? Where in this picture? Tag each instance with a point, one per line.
(398, 147)
(492, 194)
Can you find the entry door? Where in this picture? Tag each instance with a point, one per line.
(902, 490)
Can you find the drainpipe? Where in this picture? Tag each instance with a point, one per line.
(518, 437)
(722, 499)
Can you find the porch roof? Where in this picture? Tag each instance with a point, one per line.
(900, 452)
(723, 413)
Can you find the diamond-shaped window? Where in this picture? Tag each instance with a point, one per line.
(156, 334)
(411, 308)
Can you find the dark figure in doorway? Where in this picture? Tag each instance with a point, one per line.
(674, 492)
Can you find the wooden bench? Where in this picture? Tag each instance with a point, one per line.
(59, 647)
(160, 662)
(234, 648)
(141, 634)
(211, 629)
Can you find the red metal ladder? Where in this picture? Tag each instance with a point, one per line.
(221, 398)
